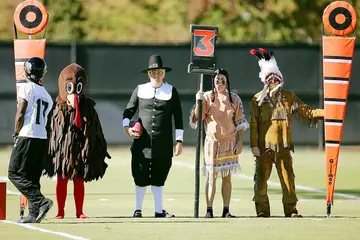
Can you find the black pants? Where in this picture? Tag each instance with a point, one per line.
(25, 168)
(152, 171)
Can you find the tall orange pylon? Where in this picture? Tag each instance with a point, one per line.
(30, 18)
(339, 19)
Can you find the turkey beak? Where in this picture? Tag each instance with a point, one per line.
(71, 100)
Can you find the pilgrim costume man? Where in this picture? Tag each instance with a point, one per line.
(152, 151)
(77, 147)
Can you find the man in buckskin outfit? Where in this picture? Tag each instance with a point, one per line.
(152, 151)
(77, 147)
(272, 111)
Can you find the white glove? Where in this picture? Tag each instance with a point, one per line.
(200, 96)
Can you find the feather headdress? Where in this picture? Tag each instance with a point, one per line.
(268, 70)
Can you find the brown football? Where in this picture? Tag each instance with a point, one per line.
(136, 127)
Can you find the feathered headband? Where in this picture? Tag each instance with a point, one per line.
(268, 70)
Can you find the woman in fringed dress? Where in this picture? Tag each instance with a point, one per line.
(224, 122)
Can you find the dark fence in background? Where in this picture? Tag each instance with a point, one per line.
(114, 71)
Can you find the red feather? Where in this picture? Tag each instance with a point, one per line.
(253, 51)
(262, 50)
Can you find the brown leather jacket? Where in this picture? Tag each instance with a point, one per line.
(270, 123)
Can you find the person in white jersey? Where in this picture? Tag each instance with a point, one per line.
(30, 137)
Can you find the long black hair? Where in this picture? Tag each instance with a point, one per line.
(226, 74)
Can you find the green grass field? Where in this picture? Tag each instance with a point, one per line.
(111, 201)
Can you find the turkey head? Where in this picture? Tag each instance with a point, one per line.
(72, 85)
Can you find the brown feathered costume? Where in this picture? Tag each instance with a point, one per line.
(77, 147)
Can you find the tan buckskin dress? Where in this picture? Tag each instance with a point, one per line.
(222, 119)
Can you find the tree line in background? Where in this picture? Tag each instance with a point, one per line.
(168, 21)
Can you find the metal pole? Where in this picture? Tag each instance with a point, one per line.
(198, 149)
(73, 54)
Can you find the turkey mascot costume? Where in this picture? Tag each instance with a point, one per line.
(77, 147)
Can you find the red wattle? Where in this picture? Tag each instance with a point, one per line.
(78, 122)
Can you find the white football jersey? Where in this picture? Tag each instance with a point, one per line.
(39, 106)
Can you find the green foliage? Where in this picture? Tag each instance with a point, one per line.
(168, 21)
(66, 19)
(6, 25)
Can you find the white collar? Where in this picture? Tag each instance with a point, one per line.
(147, 91)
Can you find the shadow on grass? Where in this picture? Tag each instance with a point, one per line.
(354, 192)
(316, 195)
(181, 219)
(245, 190)
(121, 193)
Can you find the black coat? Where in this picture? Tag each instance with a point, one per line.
(156, 108)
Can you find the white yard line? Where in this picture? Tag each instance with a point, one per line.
(276, 184)
(66, 235)
(12, 193)
(4, 179)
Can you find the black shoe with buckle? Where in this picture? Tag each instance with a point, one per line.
(28, 219)
(164, 214)
(137, 214)
(44, 209)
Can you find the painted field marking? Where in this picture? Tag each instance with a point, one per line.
(29, 226)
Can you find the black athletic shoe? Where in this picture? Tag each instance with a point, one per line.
(44, 208)
(28, 219)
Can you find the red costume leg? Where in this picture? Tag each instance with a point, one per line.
(61, 192)
(79, 194)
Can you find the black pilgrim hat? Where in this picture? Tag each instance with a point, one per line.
(155, 62)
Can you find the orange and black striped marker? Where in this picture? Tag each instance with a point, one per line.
(30, 17)
(340, 19)
(23, 50)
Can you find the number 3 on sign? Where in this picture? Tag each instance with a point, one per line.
(204, 43)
